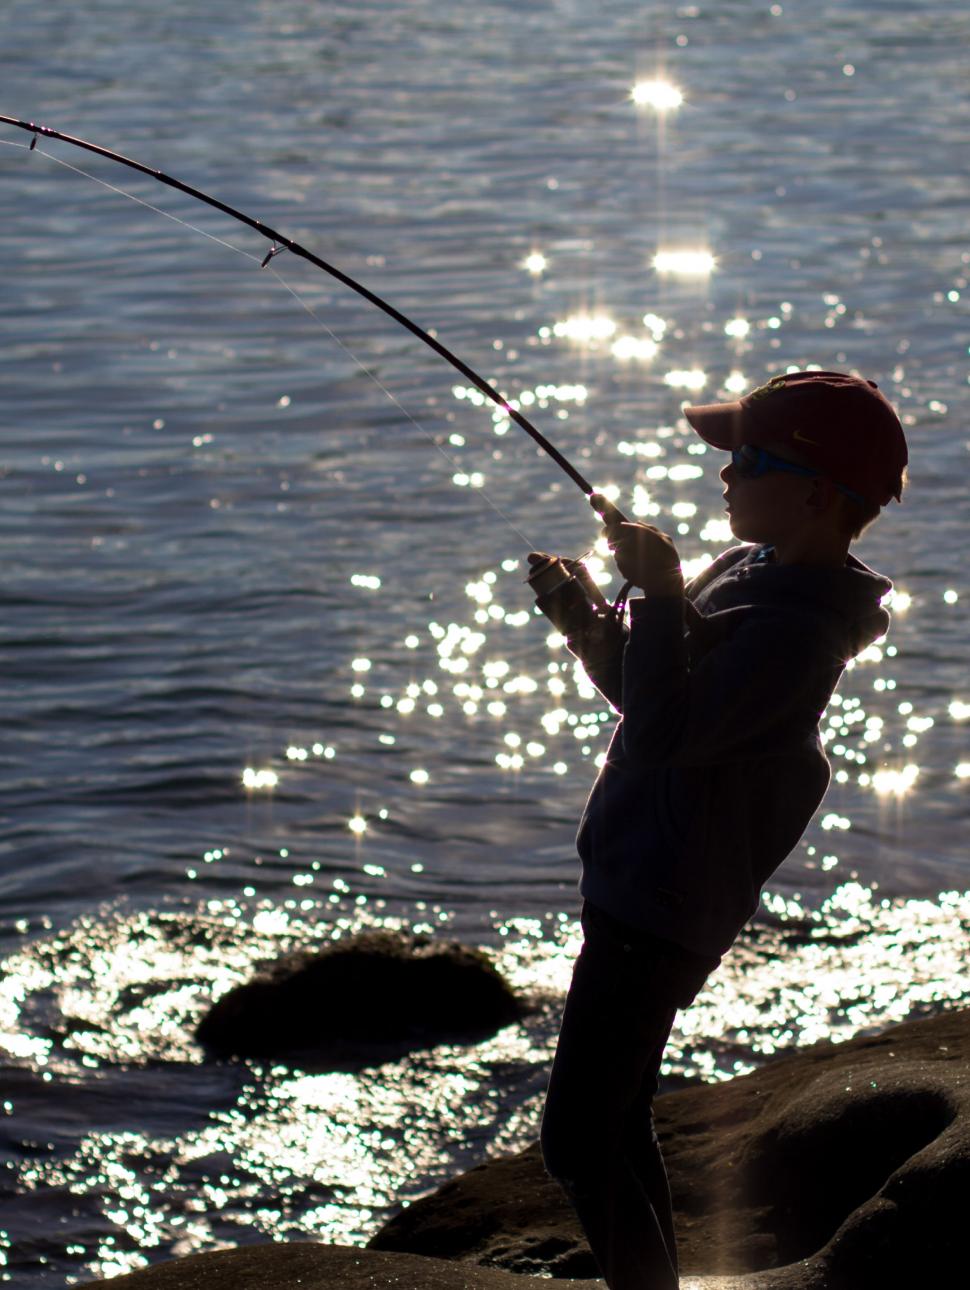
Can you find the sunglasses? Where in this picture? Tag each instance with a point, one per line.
(751, 463)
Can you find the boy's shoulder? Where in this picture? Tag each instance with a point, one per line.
(745, 585)
(720, 564)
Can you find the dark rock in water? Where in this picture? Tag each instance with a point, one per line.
(843, 1167)
(367, 999)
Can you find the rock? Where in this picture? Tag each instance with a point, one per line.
(506, 1213)
(300, 1265)
(846, 1166)
(368, 999)
(843, 1167)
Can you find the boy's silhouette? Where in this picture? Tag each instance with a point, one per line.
(713, 772)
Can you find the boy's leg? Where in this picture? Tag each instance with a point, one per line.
(648, 1161)
(597, 1136)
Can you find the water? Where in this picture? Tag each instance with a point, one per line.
(227, 550)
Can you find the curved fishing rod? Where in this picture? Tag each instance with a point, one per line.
(612, 514)
(281, 243)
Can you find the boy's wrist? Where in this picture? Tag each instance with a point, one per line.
(656, 606)
(667, 585)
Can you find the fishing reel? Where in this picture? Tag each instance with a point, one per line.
(566, 593)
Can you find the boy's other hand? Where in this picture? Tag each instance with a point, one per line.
(648, 558)
(644, 555)
(611, 516)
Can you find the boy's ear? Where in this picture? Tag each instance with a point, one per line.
(822, 495)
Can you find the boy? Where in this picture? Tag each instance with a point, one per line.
(714, 770)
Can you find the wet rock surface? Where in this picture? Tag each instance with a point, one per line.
(306, 1266)
(368, 999)
(336, 1267)
(834, 1165)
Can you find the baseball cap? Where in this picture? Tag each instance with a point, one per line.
(841, 425)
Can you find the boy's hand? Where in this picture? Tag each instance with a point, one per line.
(644, 555)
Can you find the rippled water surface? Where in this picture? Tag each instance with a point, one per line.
(269, 668)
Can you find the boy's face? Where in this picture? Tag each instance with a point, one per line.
(772, 507)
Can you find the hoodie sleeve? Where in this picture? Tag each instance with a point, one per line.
(603, 659)
(604, 663)
(770, 679)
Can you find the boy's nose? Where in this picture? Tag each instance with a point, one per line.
(727, 472)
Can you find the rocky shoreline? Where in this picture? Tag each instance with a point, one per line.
(841, 1167)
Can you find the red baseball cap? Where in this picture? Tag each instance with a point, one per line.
(841, 425)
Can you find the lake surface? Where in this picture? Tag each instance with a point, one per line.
(269, 669)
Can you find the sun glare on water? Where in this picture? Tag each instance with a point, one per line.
(658, 94)
(895, 782)
(259, 779)
(585, 328)
(685, 263)
(626, 347)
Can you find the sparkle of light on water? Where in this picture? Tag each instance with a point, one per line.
(657, 94)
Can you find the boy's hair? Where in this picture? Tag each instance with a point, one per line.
(856, 515)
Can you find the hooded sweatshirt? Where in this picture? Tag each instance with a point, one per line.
(716, 764)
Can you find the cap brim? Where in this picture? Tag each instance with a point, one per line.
(718, 424)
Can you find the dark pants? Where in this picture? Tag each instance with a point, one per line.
(597, 1137)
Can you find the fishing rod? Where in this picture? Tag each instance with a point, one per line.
(282, 243)
(549, 576)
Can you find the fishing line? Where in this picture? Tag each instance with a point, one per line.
(280, 242)
(186, 224)
(158, 210)
(452, 461)
(122, 192)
